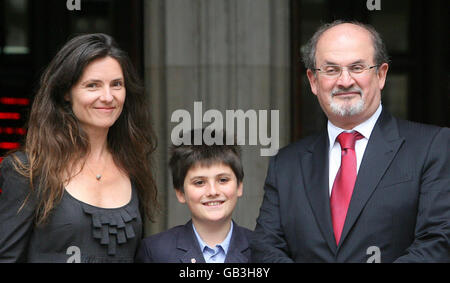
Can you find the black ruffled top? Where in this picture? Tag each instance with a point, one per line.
(115, 231)
(75, 232)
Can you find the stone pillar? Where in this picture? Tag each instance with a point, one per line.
(230, 55)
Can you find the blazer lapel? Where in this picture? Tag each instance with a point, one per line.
(314, 166)
(187, 246)
(381, 149)
(239, 250)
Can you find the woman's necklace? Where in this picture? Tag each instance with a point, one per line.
(98, 176)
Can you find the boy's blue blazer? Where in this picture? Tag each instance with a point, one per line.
(179, 245)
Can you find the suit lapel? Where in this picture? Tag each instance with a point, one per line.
(187, 246)
(381, 149)
(238, 251)
(314, 166)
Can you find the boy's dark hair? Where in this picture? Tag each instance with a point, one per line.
(186, 156)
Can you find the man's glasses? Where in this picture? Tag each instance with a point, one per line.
(335, 71)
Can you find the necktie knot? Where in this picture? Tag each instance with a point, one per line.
(348, 140)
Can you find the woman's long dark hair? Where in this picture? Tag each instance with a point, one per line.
(55, 141)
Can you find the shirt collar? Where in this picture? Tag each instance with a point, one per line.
(365, 128)
(224, 245)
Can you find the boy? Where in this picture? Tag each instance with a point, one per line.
(209, 179)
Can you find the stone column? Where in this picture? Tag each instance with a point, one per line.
(229, 55)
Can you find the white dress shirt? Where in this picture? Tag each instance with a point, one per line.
(364, 129)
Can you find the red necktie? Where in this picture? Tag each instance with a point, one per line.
(344, 182)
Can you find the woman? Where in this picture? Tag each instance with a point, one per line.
(78, 189)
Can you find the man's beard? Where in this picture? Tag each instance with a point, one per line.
(344, 108)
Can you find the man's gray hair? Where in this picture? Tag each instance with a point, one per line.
(309, 50)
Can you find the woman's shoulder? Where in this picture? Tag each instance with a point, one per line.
(10, 177)
(12, 159)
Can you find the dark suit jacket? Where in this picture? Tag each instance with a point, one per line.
(400, 204)
(179, 245)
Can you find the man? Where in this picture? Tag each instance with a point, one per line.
(370, 188)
